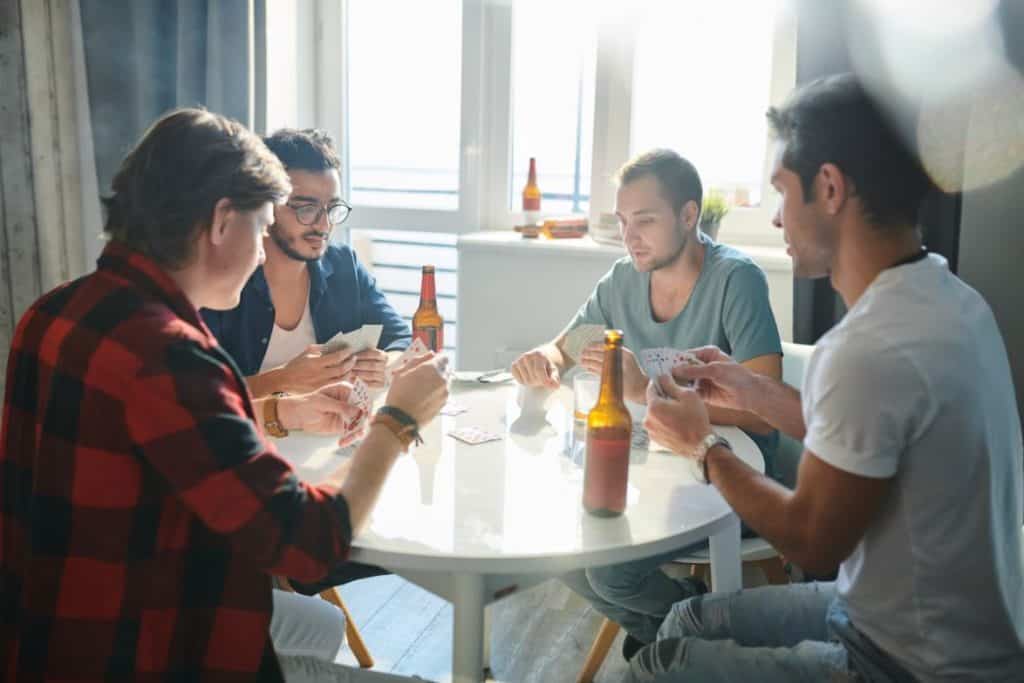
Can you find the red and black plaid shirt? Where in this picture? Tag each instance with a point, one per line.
(141, 510)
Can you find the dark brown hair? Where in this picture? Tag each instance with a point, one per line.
(168, 185)
(835, 120)
(678, 178)
(311, 149)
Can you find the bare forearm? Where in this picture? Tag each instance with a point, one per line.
(266, 383)
(738, 418)
(766, 506)
(362, 479)
(778, 405)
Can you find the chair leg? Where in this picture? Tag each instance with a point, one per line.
(352, 635)
(598, 651)
(774, 571)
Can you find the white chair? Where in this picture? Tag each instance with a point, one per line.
(754, 551)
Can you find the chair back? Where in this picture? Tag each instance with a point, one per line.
(794, 365)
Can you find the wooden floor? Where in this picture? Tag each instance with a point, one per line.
(540, 635)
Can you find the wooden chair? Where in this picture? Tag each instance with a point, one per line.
(352, 635)
(754, 551)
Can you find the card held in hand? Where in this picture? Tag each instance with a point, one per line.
(579, 338)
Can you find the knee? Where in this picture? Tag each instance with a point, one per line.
(613, 582)
(308, 626)
(685, 619)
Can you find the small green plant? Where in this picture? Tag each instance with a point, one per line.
(714, 209)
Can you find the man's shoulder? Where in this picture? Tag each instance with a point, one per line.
(726, 261)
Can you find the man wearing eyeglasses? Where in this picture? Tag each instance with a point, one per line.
(308, 290)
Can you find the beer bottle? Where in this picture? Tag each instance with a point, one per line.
(531, 196)
(427, 324)
(609, 428)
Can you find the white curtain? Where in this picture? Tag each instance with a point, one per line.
(50, 217)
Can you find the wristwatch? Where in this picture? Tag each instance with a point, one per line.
(271, 422)
(701, 454)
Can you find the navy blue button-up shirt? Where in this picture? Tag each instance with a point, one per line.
(343, 296)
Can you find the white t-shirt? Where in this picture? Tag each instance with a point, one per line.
(287, 344)
(914, 384)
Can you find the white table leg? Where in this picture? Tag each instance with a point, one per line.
(726, 565)
(468, 601)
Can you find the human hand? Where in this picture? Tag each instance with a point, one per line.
(371, 367)
(634, 380)
(325, 411)
(535, 369)
(720, 381)
(315, 367)
(677, 417)
(420, 387)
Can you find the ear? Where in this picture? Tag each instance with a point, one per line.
(832, 187)
(220, 221)
(690, 213)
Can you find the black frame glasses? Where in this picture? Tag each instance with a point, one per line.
(309, 214)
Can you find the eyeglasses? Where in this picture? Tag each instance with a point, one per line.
(309, 214)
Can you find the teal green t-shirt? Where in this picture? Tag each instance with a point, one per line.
(728, 307)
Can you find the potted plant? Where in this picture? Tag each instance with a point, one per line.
(714, 209)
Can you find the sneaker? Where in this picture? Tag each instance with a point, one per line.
(630, 646)
(692, 586)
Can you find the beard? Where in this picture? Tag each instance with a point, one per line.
(285, 246)
(678, 252)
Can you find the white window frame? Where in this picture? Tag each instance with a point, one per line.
(486, 125)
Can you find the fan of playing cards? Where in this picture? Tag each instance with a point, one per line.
(579, 338)
(366, 337)
(661, 360)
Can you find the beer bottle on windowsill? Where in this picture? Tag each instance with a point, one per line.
(427, 324)
(531, 196)
(609, 428)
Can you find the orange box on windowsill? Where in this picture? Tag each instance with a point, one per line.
(563, 227)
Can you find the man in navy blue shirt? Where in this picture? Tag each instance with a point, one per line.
(307, 290)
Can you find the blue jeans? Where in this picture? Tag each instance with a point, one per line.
(636, 595)
(769, 634)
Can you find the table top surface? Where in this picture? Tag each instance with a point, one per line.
(514, 505)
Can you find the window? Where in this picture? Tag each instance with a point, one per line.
(702, 86)
(404, 103)
(553, 51)
(396, 259)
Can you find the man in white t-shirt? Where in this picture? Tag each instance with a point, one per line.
(911, 479)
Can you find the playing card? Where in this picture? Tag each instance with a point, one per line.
(360, 396)
(579, 338)
(416, 349)
(661, 360)
(366, 337)
(452, 408)
(474, 435)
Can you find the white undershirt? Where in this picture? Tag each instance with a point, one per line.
(285, 345)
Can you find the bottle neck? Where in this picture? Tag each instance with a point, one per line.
(532, 179)
(428, 291)
(611, 376)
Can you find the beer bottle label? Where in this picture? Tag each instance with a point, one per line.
(432, 337)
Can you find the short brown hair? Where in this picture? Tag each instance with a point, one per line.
(168, 185)
(678, 178)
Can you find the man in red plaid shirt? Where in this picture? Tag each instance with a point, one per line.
(142, 511)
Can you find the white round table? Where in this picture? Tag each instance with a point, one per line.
(472, 523)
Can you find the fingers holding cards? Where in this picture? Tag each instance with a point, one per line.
(579, 338)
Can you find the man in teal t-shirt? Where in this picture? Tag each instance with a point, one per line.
(679, 289)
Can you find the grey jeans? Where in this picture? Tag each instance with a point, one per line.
(769, 634)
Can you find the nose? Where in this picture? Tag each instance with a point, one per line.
(777, 217)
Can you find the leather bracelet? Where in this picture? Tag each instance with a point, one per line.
(271, 421)
(405, 434)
